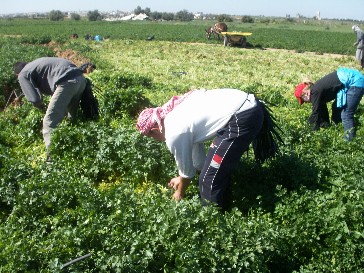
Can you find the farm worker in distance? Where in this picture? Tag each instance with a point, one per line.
(55, 77)
(359, 55)
(232, 118)
(345, 87)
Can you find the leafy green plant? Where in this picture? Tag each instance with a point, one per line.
(36, 40)
(106, 191)
(13, 51)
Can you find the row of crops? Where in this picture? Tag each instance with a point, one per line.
(105, 194)
(325, 37)
(319, 36)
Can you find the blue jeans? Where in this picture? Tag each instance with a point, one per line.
(353, 97)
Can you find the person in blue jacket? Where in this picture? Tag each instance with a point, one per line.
(345, 87)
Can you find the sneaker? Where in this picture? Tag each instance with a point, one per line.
(49, 159)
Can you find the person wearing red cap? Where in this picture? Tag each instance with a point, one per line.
(344, 87)
(232, 118)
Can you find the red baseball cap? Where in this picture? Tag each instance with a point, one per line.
(298, 92)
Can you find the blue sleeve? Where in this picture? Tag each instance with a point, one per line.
(350, 77)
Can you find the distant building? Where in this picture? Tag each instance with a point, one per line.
(198, 15)
(318, 16)
(140, 16)
(132, 16)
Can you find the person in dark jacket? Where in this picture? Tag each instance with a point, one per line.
(58, 78)
(345, 87)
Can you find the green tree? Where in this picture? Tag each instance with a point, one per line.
(168, 16)
(56, 15)
(184, 15)
(247, 19)
(147, 11)
(139, 10)
(224, 18)
(75, 16)
(155, 15)
(94, 15)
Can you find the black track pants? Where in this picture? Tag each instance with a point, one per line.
(225, 152)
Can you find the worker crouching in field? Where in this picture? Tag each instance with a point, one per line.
(344, 87)
(55, 77)
(232, 118)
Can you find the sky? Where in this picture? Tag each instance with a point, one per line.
(330, 9)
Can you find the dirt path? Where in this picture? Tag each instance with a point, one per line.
(68, 54)
(292, 51)
(332, 55)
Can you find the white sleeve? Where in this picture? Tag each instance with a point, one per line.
(181, 147)
(198, 155)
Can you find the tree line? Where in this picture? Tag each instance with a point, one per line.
(57, 15)
(183, 15)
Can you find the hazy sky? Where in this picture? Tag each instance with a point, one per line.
(332, 9)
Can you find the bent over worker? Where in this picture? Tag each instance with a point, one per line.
(58, 78)
(232, 118)
(344, 87)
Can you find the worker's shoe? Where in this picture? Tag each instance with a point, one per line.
(49, 159)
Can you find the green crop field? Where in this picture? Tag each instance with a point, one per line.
(106, 192)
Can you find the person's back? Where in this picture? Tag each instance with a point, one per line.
(360, 38)
(45, 73)
(195, 115)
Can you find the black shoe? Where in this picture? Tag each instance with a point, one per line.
(49, 160)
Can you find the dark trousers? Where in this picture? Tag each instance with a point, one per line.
(225, 152)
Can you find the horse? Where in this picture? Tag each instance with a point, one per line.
(216, 30)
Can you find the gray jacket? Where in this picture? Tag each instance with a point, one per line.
(42, 76)
(359, 39)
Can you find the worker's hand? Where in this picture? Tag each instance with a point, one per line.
(180, 185)
(355, 44)
(17, 101)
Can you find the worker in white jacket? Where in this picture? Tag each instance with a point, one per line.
(231, 117)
